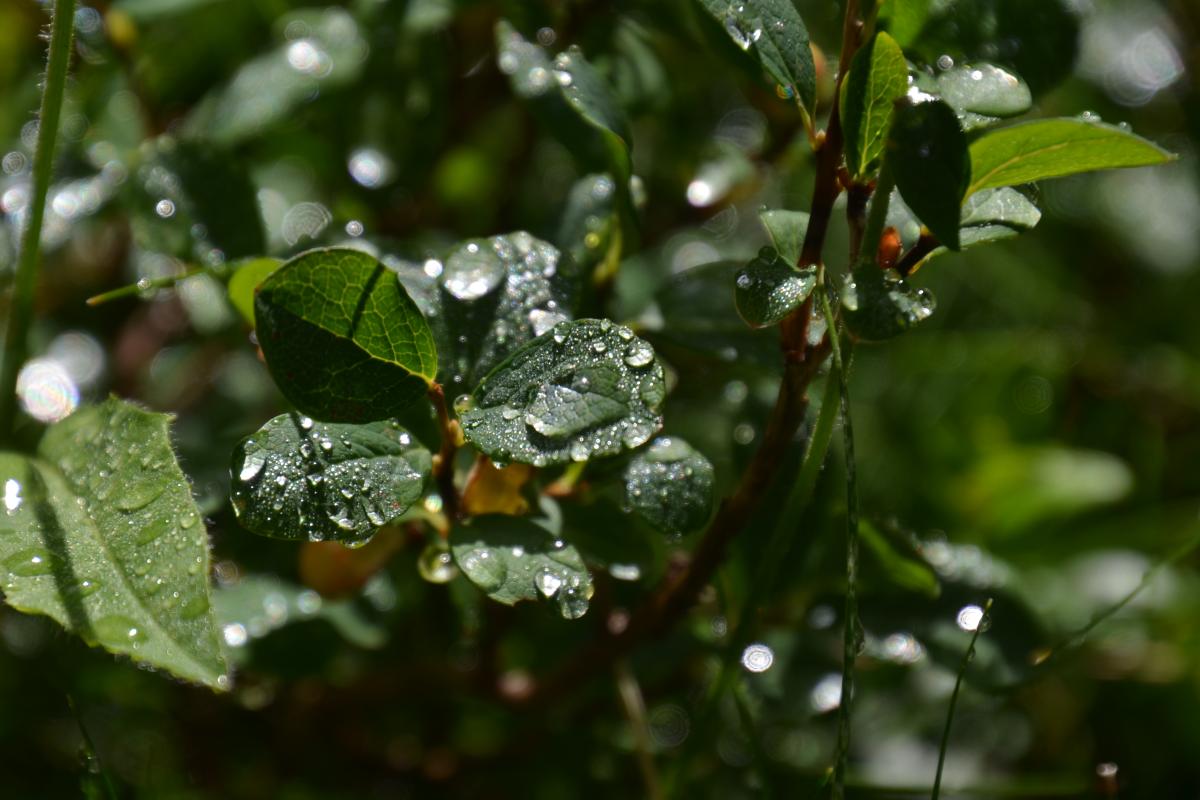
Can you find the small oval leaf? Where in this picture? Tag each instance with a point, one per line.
(670, 484)
(587, 388)
(308, 481)
(879, 304)
(982, 93)
(769, 288)
(878, 77)
(928, 155)
(342, 338)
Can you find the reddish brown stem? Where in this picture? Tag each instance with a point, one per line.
(443, 462)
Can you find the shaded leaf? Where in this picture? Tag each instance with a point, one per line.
(586, 389)
(303, 480)
(588, 221)
(769, 288)
(787, 230)
(878, 304)
(670, 484)
(342, 338)
(878, 77)
(928, 155)
(773, 32)
(904, 570)
(608, 537)
(1053, 148)
(496, 295)
(244, 282)
(100, 532)
(513, 559)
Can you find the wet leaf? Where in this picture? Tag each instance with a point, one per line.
(670, 484)
(100, 532)
(983, 93)
(495, 296)
(928, 155)
(878, 304)
(342, 338)
(995, 214)
(589, 221)
(608, 537)
(303, 480)
(1053, 148)
(787, 230)
(769, 288)
(586, 389)
(775, 35)
(878, 77)
(513, 559)
(245, 281)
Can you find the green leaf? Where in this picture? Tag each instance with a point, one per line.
(1053, 148)
(264, 91)
(610, 538)
(786, 230)
(586, 389)
(670, 484)
(342, 338)
(309, 481)
(100, 532)
(928, 155)
(513, 559)
(995, 214)
(878, 304)
(587, 93)
(904, 570)
(589, 221)
(878, 77)
(769, 288)
(495, 296)
(773, 32)
(257, 605)
(248, 275)
(983, 93)
(904, 19)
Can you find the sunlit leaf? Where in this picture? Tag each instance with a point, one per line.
(342, 338)
(770, 288)
(99, 531)
(787, 230)
(982, 93)
(878, 77)
(245, 281)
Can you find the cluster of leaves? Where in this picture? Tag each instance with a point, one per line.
(499, 398)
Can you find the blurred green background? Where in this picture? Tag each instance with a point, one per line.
(1034, 442)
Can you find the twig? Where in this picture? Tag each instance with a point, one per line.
(145, 285)
(962, 671)
(443, 463)
(16, 341)
(635, 711)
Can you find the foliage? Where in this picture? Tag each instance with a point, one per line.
(527, 328)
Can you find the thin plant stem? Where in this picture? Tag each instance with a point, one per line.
(94, 767)
(962, 671)
(877, 216)
(16, 340)
(145, 285)
(634, 706)
(443, 468)
(746, 717)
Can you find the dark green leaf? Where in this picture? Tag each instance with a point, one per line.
(245, 281)
(928, 155)
(773, 32)
(589, 221)
(608, 537)
(878, 304)
(769, 288)
(100, 532)
(1053, 148)
(903, 570)
(787, 230)
(495, 296)
(342, 338)
(904, 19)
(585, 389)
(983, 93)
(878, 77)
(308, 481)
(670, 485)
(513, 559)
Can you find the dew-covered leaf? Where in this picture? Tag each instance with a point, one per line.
(589, 221)
(266, 89)
(878, 77)
(257, 605)
(587, 93)
(769, 288)
(995, 214)
(495, 296)
(244, 282)
(982, 93)
(670, 484)
(773, 32)
(928, 155)
(786, 230)
(514, 558)
(878, 304)
(342, 338)
(1054, 148)
(299, 479)
(100, 532)
(585, 389)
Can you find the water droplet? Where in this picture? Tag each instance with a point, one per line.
(547, 582)
(639, 354)
(12, 496)
(155, 529)
(116, 630)
(758, 657)
(139, 494)
(464, 403)
(235, 634)
(436, 565)
(484, 569)
(31, 562)
(472, 272)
